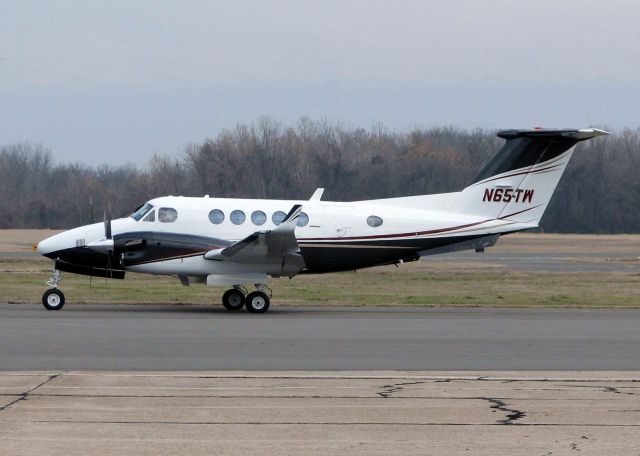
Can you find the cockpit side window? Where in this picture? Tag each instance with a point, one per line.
(167, 215)
(142, 211)
(151, 217)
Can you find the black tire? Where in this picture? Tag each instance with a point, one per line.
(53, 299)
(257, 302)
(233, 300)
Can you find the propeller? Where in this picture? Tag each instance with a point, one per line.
(105, 245)
(108, 246)
(108, 239)
(107, 226)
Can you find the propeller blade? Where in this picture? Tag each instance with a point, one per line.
(107, 225)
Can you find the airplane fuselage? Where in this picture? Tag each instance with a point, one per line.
(332, 236)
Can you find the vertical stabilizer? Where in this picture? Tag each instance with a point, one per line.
(518, 182)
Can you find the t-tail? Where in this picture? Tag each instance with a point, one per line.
(518, 182)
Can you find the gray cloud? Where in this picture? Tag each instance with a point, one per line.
(132, 78)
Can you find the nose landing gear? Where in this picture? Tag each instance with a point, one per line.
(53, 299)
(255, 302)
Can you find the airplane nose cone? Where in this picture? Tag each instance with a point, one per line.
(50, 246)
(71, 245)
(47, 246)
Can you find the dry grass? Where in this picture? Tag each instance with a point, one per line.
(20, 241)
(423, 283)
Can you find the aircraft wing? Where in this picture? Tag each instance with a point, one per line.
(277, 247)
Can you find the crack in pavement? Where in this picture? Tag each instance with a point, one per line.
(24, 396)
(328, 423)
(613, 389)
(513, 415)
(606, 389)
(388, 390)
(394, 388)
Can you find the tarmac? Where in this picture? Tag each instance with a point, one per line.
(185, 338)
(313, 413)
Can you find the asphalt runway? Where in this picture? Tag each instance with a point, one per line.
(108, 337)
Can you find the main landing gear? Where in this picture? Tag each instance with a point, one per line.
(53, 299)
(238, 297)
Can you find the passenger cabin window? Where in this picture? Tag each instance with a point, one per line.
(216, 216)
(374, 221)
(278, 217)
(167, 215)
(151, 217)
(141, 211)
(237, 217)
(303, 219)
(258, 218)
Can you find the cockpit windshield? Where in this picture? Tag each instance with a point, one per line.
(141, 212)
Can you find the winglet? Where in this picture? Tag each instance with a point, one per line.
(291, 219)
(317, 195)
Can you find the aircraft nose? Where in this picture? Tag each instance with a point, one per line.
(46, 246)
(70, 243)
(53, 244)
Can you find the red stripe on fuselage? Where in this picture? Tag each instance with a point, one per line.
(415, 233)
(411, 234)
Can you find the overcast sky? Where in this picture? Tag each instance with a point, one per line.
(117, 81)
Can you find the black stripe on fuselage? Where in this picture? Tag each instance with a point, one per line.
(85, 257)
(345, 256)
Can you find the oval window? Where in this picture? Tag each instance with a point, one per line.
(167, 215)
(278, 217)
(216, 216)
(237, 217)
(303, 219)
(258, 218)
(374, 221)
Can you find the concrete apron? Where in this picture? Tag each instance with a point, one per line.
(319, 412)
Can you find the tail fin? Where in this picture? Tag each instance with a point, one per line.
(518, 182)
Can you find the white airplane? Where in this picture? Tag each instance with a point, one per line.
(237, 242)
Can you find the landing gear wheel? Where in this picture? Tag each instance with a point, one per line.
(53, 299)
(257, 302)
(233, 299)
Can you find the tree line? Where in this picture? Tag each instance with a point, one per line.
(599, 193)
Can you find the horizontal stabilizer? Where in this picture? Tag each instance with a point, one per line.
(579, 135)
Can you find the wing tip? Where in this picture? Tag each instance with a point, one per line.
(293, 214)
